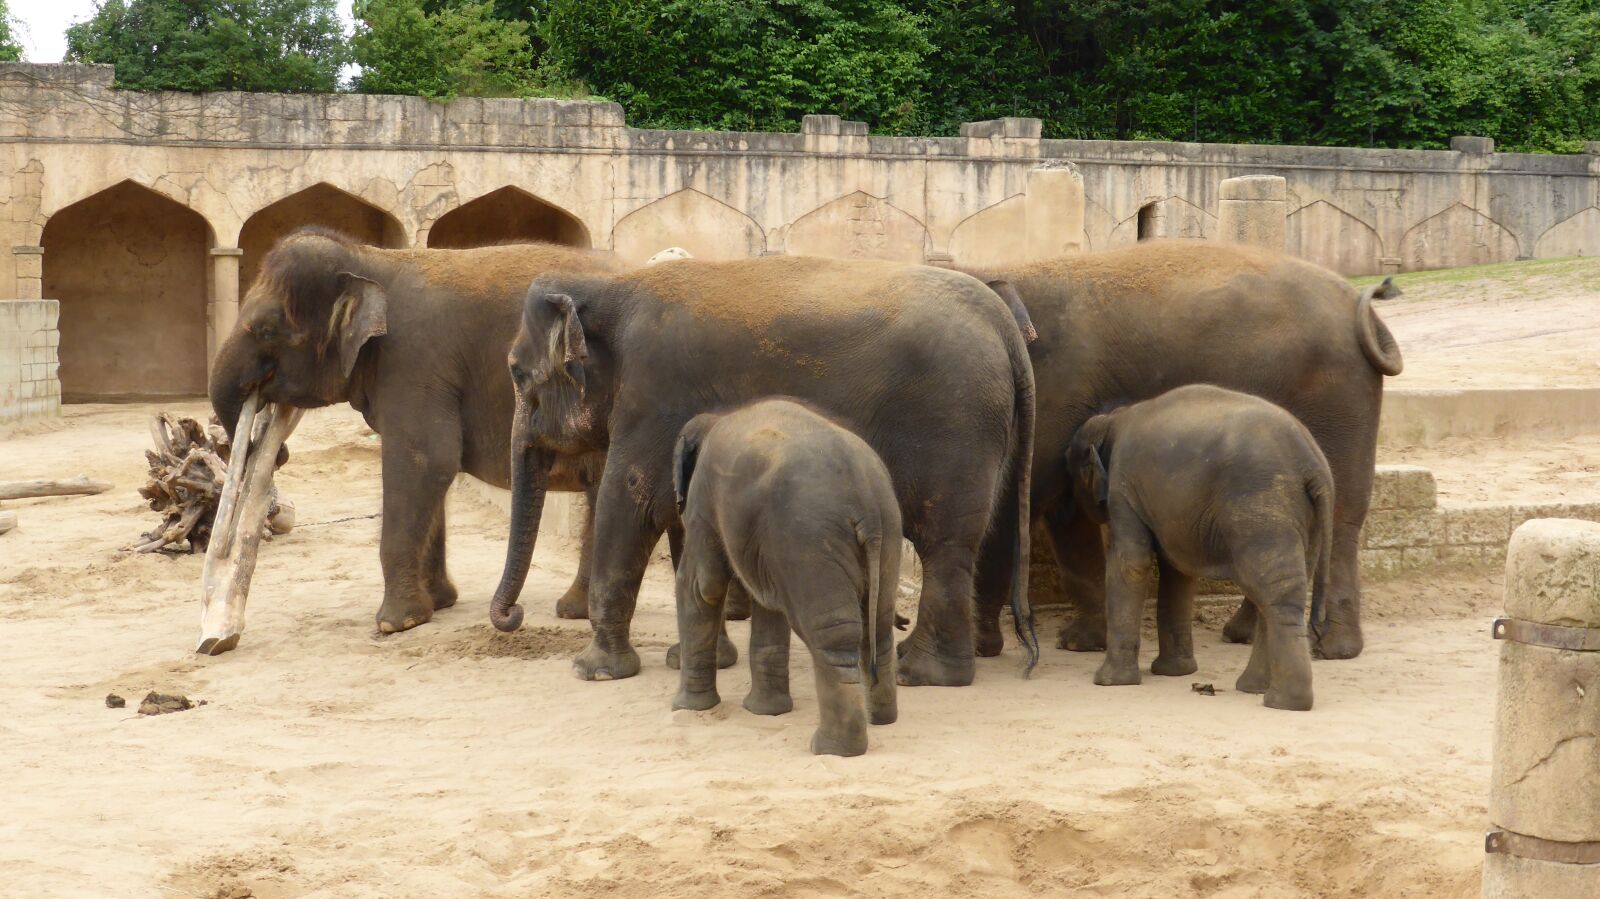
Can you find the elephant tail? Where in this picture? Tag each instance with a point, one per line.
(1377, 344)
(1023, 392)
(1320, 490)
(873, 544)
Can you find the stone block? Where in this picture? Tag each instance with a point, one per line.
(1254, 187)
(1419, 558)
(1381, 563)
(1477, 146)
(1394, 528)
(1476, 525)
(1465, 557)
(1553, 573)
(1510, 877)
(820, 124)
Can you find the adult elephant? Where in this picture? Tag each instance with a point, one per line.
(416, 341)
(1125, 325)
(927, 365)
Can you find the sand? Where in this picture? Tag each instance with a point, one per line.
(453, 760)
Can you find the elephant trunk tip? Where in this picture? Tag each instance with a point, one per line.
(507, 619)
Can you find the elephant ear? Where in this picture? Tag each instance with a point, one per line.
(1008, 292)
(360, 314)
(685, 455)
(1087, 458)
(568, 348)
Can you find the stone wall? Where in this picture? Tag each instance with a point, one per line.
(29, 387)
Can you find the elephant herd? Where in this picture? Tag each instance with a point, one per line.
(545, 368)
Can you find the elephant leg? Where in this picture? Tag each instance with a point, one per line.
(835, 655)
(1285, 660)
(727, 653)
(624, 539)
(739, 605)
(1081, 555)
(1256, 675)
(575, 602)
(995, 570)
(1128, 572)
(702, 583)
(1242, 626)
(434, 575)
(769, 662)
(1351, 454)
(1174, 623)
(1341, 636)
(417, 471)
(939, 651)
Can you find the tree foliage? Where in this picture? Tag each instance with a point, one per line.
(10, 50)
(404, 47)
(215, 45)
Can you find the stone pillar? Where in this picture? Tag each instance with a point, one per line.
(224, 309)
(1054, 211)
(1254, 210)
(30, 272)
(1544, 798)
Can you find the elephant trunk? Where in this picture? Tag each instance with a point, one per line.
(530, 480)
(235, 375)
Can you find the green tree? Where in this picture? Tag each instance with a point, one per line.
(742, 64)
(215, 45)
(404, 47)
(10, 50)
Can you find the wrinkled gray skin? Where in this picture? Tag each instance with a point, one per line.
(415, 340)
(1211, 483)
(1125, 325)
(927, 365)
(802, 512)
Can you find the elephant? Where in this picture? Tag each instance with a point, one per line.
(1207, 482)
(802, 512)
(415, 340)
(927, 365)
(1124, 325)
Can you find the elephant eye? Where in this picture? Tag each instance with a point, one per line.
(263, 332)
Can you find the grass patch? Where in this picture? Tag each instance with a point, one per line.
(1585, 268)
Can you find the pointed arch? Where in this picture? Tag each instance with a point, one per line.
(993, 237)
(321, 205)
(507, 215)
(129, 267)
(1331, 237)
(859, 226)
(1576, 235)
(1457, 236)
(705, 226)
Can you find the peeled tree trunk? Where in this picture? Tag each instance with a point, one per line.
(530, 479)
(237, 529)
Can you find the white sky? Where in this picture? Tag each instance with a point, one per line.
(44, 24)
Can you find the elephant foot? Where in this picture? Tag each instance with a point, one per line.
(444, 595)
(883, 712)
(847, 744)
(574, 603)
(397, 616)
(921, 667)
(1082, 636)
(1241, 628)
(768, 702)
(1117, 675)
(987, 640)
(1174, 666)
(727, 653)
(1293, 700)
(737, 606)
(1338, 641)
(696, 701)
(1250, 682)
(595, 663)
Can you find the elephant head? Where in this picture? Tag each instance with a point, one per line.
(559, 372)
(686, 453)
(301, 329)
(1087, 457)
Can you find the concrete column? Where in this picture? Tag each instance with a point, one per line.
(1254, 210)
(1544, 797)
(30, 272)
(224, 309)
(1053, 210)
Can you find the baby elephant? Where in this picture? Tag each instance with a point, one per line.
(1210, 483)
(803, 514)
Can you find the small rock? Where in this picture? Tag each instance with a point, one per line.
(113, 701)
(161, 704)
(1204, 689)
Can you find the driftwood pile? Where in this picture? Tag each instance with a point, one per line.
(188, 469)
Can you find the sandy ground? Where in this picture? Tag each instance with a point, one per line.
(1521, 324)
(456, 761)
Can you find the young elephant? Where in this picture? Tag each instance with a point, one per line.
(1218, 484)
(803, 514)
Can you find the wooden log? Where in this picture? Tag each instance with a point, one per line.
(79, 486)
(8, 520)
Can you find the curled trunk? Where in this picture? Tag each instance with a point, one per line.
(529, 482)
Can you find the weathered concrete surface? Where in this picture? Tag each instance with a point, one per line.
(29, 388)
(1254, 210)
(236, 169)
(1426, 417)
(1546, 772)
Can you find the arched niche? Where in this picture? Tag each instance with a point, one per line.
(708, 228)
(129, 267)
(507, 215)
(320, 205)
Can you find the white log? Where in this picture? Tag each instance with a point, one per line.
(8, 520)
(79, 486)
(231, 555)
